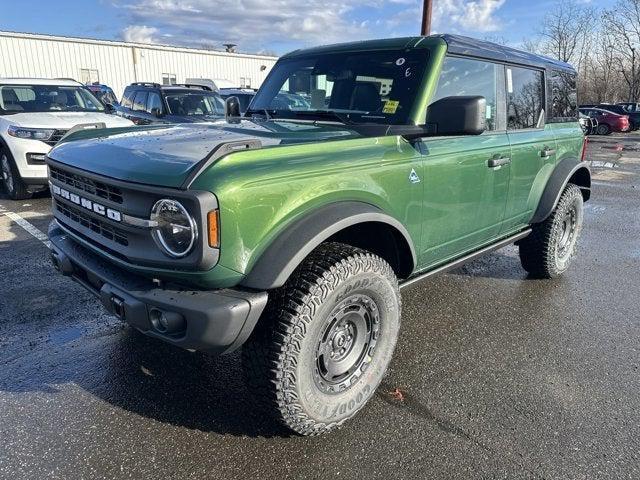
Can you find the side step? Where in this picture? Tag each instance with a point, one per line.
(462, 260)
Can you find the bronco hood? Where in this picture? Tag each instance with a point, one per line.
(166, 155)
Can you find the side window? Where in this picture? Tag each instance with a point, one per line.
(154, 103)
(565, 99)
(127, 99)
(463, 76)
(140, 101)
(525, 98)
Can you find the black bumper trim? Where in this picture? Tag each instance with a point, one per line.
(217, 321)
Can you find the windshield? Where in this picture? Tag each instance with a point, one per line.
(358, 87)
(47, 98)
(195, 103)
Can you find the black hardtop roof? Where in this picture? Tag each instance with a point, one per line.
(456, 45)
(461, 45)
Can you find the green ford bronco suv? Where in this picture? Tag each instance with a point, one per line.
(290, 231)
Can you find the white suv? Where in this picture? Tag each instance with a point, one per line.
(34, 115)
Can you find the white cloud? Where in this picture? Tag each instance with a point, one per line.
(140, 34)
(258, 24)
(477, 15)
(249, 23)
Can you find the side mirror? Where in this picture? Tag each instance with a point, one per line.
(232, 110)
(463, 115)
(156, 112)
(109, 108)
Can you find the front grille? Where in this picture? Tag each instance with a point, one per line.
(98, 189)
(56, 137)
(96, 225)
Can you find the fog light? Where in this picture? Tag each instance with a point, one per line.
(166, 322)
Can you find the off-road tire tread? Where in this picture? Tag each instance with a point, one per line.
(270, 355)
(537, 250)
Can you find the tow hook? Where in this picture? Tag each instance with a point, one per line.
(61, 262)
(117, 304)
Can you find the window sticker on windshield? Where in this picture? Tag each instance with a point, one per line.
(489, 116)
(509, 81)
(390, 106)
(400, 61)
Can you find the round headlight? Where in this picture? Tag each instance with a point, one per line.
(175, 230)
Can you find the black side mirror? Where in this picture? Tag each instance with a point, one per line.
(109, 108)
(156, 112)
(463, 115)
(232, 110)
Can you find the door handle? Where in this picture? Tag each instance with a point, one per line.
(547, 152)
(498, 162)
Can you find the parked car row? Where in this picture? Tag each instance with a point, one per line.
(603, 119)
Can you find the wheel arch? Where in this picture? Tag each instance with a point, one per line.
(569, 170)
(357, 224)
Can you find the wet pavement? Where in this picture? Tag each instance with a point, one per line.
(495, 375)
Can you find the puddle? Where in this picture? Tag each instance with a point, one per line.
(618, 147)
(66, 335)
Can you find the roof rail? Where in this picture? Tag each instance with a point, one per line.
(190, 85)
(147, 84)
(68, 79)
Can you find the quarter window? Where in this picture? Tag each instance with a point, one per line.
(463, 76)
(140, 101)
(525, 93)
(565, 101)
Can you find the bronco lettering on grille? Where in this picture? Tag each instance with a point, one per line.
(88, 204)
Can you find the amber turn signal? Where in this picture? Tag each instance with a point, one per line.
(213, 221)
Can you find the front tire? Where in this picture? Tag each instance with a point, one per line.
(326, 340)
(11, 180)
(548, 251)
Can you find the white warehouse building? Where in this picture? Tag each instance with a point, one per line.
(117, 64)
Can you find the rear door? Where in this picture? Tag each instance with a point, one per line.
(466, 177)
(533, 143)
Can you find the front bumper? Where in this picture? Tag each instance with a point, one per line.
(31, 174)
(214, 321)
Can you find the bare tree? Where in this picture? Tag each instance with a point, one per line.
(623, 22)
(564, 30)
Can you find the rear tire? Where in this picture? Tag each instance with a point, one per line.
(547, 252)
(326, 339)
(11, 179)
(603, 129)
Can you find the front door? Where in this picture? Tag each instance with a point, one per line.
(466, 178)
(533, 145)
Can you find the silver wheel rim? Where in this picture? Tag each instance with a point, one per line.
(7, 175)
(567, 234)
(347, 344)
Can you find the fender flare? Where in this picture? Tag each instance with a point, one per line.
(298, 240)
(564, 171)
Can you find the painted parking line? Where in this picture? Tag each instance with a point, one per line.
(29, 227)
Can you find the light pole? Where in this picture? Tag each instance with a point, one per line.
(426, 17)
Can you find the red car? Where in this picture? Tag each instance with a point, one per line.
(607, 121)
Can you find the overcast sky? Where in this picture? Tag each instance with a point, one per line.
(272, 25)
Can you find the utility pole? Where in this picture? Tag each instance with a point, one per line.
(426, 17)
(634, 90)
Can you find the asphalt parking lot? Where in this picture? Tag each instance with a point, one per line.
(497, 375)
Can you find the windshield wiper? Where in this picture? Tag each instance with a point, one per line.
(261, 111)
(325, 114)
